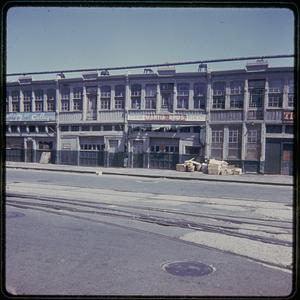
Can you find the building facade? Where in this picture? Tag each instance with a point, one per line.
(155, 120)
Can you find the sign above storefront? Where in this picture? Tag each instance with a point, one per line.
(178, 117)
(288, 117)
(31, 117)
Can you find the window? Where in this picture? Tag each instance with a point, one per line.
(32, 129)
(275, 100)
(289, 129)
(105, 91)
(77, 93)
(136, 103)
(38, 106)
(253, 144)
(51, 99)
(75, 128)
(256, 93)
(199, 95)
(27, 106)
(183, 102)
(217, 136)
(167, 87)
(65, 105)
(217, 143)
(183, 89)
(291, 93)
(274, 129)
(41, 128)
(136, 90)
(85, 128)
(119, 127)
(150, 103)
(276, 86)
(96, 128)
(50, 105)
(218, 102)
(15, 107)
(64, 128)
(219, 88)
(252, 136)
(236, 87)
(15, 96)
(77, 104)
(185, 129)
(151, 90)
(119, 103)
(234, 143)
(105, 103)
(39, 95)
(290, 100)
(120, 91)
(236, 101)
(27, 95)
(65, 94)
(107, 128)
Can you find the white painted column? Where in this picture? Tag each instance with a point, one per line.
(21, 101)
(191, 97)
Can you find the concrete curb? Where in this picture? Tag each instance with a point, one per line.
(100, 172)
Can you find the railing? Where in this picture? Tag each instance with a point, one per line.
(226, 116)
(156, 160)
(273, 115)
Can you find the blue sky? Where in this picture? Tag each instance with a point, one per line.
(54, 38)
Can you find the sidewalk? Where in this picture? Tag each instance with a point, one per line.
(282, 180)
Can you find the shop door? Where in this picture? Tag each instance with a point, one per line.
(273, 157)
(29, 151)
(287, 160)
(137, 154)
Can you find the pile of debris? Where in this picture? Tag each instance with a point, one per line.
(212, 167)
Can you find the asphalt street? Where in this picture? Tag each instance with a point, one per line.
(109, 235)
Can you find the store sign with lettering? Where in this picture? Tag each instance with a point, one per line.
(288, 116)
(165, 117)
(31, 117)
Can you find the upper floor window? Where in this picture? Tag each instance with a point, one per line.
(275, 86)
(105, 103)
(27, 95)
(183, 89)
(51, 94)
(183, 102)
(219, 88)
(150, 103)
(236, 87)
(218, 102)
(151, 90)
(275, 100)
(119, 103)
(15, 95)
(291, 93)
(105, 91)
(256, 93)
(65, 94)
(39, 94)
(136, 90)
(120, 91)
(167, 87)
(136, 103)
(236, 101)
(199, 89)
(252, 136)
(77, 93)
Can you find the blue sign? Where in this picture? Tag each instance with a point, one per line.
(31, 117)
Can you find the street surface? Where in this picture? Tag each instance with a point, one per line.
(75, 234)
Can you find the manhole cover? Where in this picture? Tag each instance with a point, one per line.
(187, 268)
(14, 215)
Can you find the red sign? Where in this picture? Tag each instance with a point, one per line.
(288, 116)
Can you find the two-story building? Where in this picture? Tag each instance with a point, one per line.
(155, 119)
